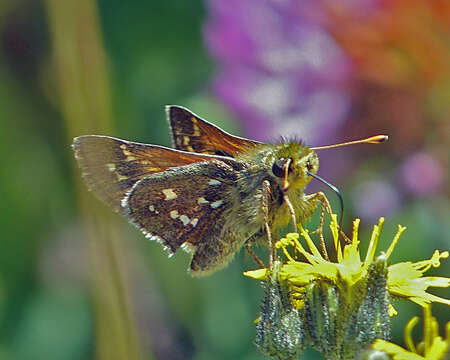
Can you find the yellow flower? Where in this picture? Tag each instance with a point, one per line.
(432, 347)
(340, 307)
(404, 280)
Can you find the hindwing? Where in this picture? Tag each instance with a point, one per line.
(182, 205)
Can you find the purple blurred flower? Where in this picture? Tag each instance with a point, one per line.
(422, 174)
(280, 72)
(374, 199)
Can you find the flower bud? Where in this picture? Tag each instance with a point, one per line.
(278, 330)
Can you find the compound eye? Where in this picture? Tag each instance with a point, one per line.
(278, 167)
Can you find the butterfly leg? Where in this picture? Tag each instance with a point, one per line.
(248, 247)
(265, 207)
(324, 206)
(291, 211)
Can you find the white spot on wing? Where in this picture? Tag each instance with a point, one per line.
(169, 194)
(174, 214)
(111, 167)
(216, 204)
(185, 219)
(194, 222)
(202, 200)
(152, 209)
(214, 182)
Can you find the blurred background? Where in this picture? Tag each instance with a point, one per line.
(76, 280)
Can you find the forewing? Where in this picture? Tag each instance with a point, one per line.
(182, 205)
(192, 133)
(111, 167)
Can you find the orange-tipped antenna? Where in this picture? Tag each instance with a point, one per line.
(377, 139)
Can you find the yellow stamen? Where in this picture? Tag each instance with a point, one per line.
(312, 247)
(373, 242)
(408, 333)
(335, 233)
(395, 241)
(355, 230)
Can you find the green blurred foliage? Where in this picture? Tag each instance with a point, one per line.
(155, 56)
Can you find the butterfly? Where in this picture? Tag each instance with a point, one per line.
(210, 194)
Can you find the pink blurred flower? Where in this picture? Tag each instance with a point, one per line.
(281, 73)
(422, 174)
(374, 199)
(291, 67)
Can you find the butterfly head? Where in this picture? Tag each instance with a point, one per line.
(290, 165)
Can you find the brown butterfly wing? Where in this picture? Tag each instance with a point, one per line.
(112, 166)
(189, 206)
(183, 204)
(192, 133)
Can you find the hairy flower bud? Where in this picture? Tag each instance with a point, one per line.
(278, 330)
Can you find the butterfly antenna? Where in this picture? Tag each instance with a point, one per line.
(377, 139)
(335, 189)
